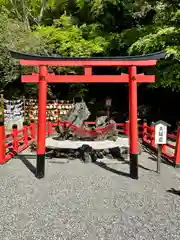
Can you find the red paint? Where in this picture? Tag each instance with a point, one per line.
(144, 131)
(32, 130)
(86, 132)
(43, 71)
(152, 137)
(2, 145)
(177, 151)
(126, 128)
(133, 121)
(79, 62)
(88, 71)
(51, 78)
(25, 133)
(15, 140)
(97, 78)
(164, 147)
(16, 148)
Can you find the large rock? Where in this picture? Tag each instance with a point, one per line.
(102, 121)
(85, 153)
(79, 114)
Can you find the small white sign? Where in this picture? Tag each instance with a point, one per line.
(160, 134)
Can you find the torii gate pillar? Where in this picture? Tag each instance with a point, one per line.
(133, 123)
(41, 136)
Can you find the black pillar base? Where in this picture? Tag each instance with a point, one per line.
(134, 166)
(40, 166)
(177, 165)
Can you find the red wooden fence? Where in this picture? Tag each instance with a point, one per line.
(18, 140)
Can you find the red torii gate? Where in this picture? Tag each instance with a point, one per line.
(43, 78)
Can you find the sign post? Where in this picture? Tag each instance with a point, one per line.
(159, 157)
(160, 139)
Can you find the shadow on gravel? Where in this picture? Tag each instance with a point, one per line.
(140, 166)
(30, 156)
(104, 166)
(58, 161)
(153, 156)
(27, 163)
(24, 159)
(174, 191)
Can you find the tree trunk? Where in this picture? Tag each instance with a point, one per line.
(43, 8)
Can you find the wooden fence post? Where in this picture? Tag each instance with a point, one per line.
(126, 128)
(144, 131)
(2, 143)
(15, 138)
(152, 135)
(25, 133)
(177, 150)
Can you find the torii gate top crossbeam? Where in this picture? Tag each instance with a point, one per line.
(141, 60)
(88, 63)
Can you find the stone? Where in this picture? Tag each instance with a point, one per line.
(79, 114)
(53, 143)
(124, 152)
(94, 155)
(109, 156)
(106, 151)
(115, 152)
(101, 121)
(99, 154)
(85, 153)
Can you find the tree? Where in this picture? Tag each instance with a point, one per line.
(14, 35)
(165, 35)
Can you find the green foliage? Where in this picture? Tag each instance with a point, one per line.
(90, 28)
(165, 35)
(8, 69)
(66, 39)
(14, 35)
(159, 40)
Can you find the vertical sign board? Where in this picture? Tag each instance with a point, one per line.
(160, 134)
(160, 139)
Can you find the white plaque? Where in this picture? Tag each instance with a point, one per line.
(160, 134)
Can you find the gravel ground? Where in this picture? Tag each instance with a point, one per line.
(86, 201)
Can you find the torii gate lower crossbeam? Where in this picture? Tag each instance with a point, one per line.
(43, 78)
